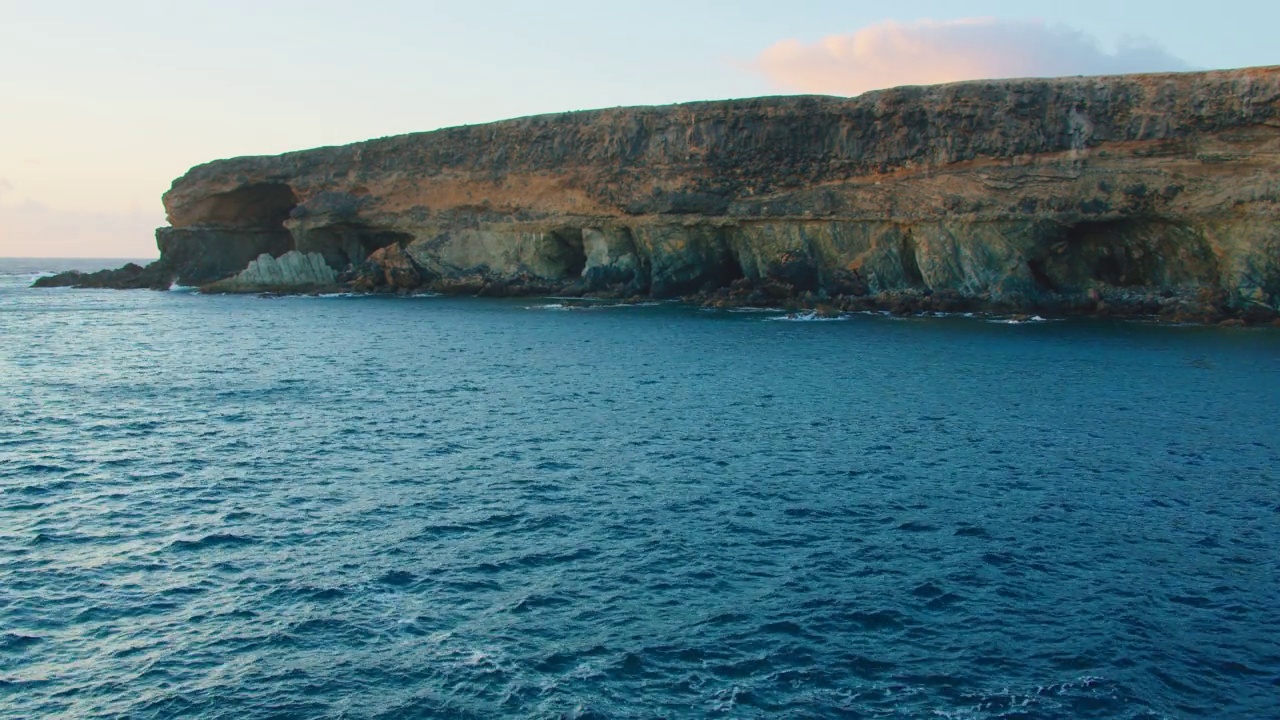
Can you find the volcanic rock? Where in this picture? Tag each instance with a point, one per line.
(291, 272)
(386, 269)
(131, 276)
(1076, 195)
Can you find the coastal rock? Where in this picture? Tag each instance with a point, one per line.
(196, 256)
(388, 269)
(1013, 194)
(291, 272)
(131, 276)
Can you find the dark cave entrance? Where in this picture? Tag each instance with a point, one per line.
(1123, 253)
(261, 206)
(1114, 253)
(348, 244)
(1041, 276)
(221, 234)
(567, 252)
(1106, 248)
(911, 272)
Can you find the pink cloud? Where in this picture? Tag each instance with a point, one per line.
(891, 54)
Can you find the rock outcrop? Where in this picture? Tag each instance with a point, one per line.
(386, 269)
(1150, 194)
(130, 277)
(291, 272)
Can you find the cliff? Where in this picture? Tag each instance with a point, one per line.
(1152, 194)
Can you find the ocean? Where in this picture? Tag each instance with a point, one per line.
(380, 507)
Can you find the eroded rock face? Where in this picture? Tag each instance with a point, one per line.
(1112, 194)
(291, 272)
(388, 269)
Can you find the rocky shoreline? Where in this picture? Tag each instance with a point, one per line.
(1134, 196)
(1202, 308)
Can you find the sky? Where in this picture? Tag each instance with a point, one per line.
(103, 104)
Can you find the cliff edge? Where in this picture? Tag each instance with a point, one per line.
(1143, 194)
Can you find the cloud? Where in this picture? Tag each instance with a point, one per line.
(33, 229)
(890, 54)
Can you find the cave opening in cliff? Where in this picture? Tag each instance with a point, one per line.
(911, 272)
(568, 252)
(345, 245)
(1041, 277)
(1107, 249)
(732, 267)
(1126, 253)
(260, 206)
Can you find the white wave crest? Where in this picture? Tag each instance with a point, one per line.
(1034, 319)
(806, 317)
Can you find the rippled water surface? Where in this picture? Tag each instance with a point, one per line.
(239, 507)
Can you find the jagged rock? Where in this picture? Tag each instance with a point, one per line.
(291, 272)
(130, 277)
(389, 269)
(1011, 194)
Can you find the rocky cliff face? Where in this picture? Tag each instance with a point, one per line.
(1153, 194)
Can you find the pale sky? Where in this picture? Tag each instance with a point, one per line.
(103, 104)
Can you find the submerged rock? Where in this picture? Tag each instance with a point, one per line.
(1144, 194)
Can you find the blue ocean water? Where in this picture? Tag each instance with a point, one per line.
(341, 507)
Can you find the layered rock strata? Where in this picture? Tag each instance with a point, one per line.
(292, 271)
(1146, 194)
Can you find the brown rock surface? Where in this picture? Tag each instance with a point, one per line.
(387, 269)
(1110, 194)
